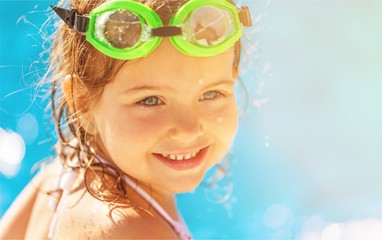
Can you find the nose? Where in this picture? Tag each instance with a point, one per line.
(186, 126)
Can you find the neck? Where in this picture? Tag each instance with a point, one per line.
(163, 197)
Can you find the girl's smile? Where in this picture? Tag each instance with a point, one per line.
(183, 161)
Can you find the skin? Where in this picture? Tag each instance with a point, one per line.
(195, 108)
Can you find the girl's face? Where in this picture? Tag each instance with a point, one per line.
(167, 118)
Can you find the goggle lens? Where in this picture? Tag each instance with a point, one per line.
(121, 28)
(209, 26)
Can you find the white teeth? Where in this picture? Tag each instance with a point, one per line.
(176, 157)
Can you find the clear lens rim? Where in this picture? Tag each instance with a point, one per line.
(146, 14)
(104, 19)
(227, 22)
(189, 48)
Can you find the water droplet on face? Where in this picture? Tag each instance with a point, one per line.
(201, 81)
(219, 120)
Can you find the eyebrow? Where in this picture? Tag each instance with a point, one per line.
(145, 88)
(158, 88)
(224, 82)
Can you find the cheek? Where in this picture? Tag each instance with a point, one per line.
(137, 128)
(125, 132)
(224, 122)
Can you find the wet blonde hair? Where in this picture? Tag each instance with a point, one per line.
(72, 55)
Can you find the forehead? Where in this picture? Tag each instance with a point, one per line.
(166, 65)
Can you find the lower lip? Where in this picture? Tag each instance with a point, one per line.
(184, 164)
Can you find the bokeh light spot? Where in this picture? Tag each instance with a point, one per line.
(310, 236)
(276, 216)
(331, 232)
(12, 151)
(312, 224)
(28, 128)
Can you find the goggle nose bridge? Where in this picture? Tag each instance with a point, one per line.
(166, 31)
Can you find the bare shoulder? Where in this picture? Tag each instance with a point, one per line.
(15, 221)
(81, 217)
(85, 217)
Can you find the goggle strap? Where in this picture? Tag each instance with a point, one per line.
(166, 31)
(245, 16)
(71, 17)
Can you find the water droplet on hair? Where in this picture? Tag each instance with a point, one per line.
(258, 103)
(267, 67)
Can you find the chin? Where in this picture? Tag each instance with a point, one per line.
(186, 184)
(185, 189)
(190, 183)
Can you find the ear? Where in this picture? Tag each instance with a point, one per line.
(74, 93)
(76, 96)
(235, 73)
(236, 61)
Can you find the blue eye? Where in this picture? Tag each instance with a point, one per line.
(149, 102)
(210, 95)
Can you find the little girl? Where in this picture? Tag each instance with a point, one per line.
(144, 104)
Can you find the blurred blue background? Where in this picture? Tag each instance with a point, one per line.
(306, 161)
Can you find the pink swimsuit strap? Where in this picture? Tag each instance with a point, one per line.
(178, 227)
(64, 183)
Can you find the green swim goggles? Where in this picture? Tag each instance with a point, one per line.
(125, 29)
